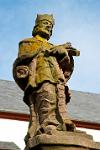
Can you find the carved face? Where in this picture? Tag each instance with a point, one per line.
(44, 29)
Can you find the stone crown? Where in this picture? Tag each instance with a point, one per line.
(41, 17)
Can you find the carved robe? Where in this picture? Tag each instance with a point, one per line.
(40, 67)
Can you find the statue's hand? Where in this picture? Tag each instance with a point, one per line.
(60, 52)
(22, 71)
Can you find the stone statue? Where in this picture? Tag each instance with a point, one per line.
(42, 70)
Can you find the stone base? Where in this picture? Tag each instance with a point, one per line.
(63, 141)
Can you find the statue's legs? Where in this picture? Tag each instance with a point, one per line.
(48, 108)
(42, 105)
(67, 124)
(46, 105)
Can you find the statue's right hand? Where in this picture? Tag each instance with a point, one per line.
(60, 52)
(22, 71)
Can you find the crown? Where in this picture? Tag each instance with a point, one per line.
(44, 17)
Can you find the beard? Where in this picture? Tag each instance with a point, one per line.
(42, 31)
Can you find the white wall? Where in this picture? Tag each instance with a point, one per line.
(13, 131)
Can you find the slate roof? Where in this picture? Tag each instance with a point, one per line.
(84, 106)
(8, 146)
(11, 98)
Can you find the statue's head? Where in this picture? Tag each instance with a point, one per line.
(43, 26)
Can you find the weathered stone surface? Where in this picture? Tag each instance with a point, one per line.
(63, 141)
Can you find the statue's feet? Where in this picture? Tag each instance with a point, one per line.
(49, 129)
(69, 125)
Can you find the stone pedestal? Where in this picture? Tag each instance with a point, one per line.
(63, 141)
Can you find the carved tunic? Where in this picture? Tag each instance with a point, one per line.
(41, 67)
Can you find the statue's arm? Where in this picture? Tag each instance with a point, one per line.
(64, 54)
(21, 64)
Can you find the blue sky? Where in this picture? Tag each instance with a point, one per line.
(76, 21)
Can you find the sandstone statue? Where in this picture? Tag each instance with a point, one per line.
(42, 70)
